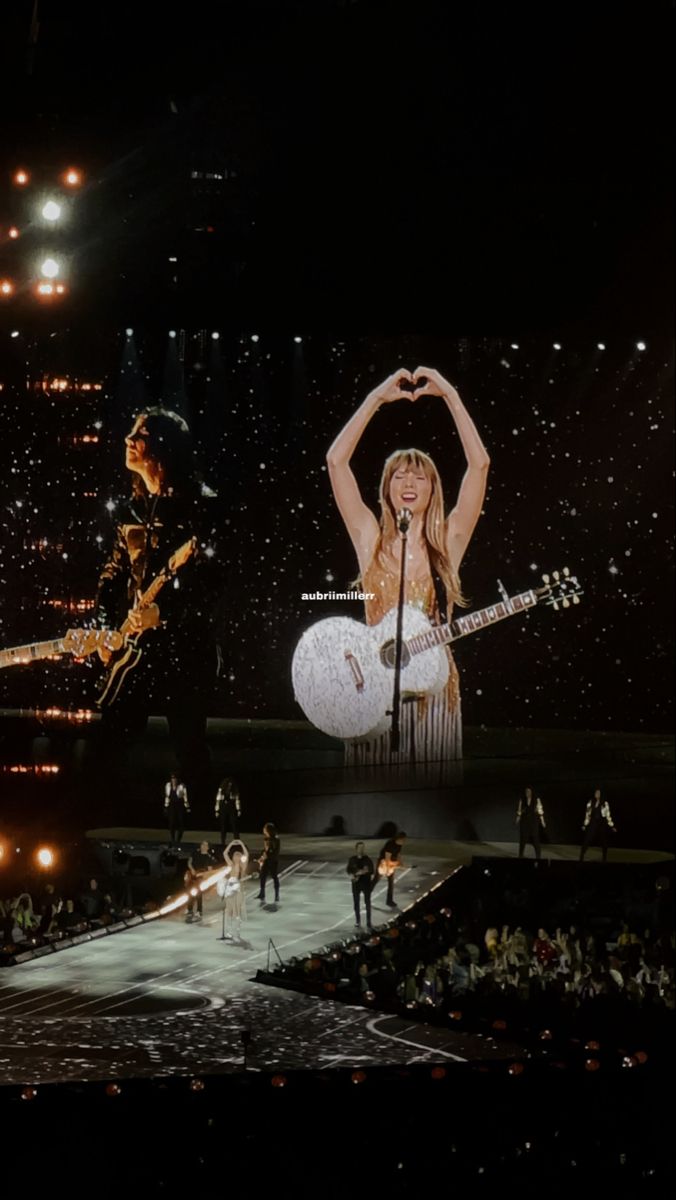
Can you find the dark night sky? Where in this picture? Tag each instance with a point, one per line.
(480, 177)
(398, 167)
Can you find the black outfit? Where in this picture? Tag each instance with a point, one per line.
(597, 823)
(177, 669)
(270, 867)
(227, 811)
(392, 848)
(175, 810)
(530, 817)
(200, 863)
(91, 903)
(361, 886)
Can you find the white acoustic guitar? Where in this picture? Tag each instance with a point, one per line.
(343, 671)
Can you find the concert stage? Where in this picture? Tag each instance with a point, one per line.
(166, 997)
(172, 998)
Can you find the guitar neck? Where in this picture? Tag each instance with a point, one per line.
(148, 597)
(25, 654)
(441, 635)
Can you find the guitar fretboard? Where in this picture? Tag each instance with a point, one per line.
(441, 635)
(26, 654)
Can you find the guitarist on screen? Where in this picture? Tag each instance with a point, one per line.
(174, 673)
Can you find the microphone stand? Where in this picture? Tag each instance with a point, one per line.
(403, 522)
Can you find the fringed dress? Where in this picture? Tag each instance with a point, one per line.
(430, 726)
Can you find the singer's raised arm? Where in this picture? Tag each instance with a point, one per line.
(462, 519)
(360, 521)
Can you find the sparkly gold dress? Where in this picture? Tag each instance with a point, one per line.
(430, 727)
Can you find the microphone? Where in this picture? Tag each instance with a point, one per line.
(404, 518)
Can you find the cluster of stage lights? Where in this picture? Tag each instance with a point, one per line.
(51, 209)
(255, 338)
(215, 337)
(44, 856)
(41, 769)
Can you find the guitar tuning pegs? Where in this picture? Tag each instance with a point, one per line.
(546, 579)
(576, 599)
(566, 572)
(556, 575)
(556, 606)
(566, 602)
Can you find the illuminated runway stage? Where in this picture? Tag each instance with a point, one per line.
(170, 997)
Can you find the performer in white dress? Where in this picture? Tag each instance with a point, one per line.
(231, 888)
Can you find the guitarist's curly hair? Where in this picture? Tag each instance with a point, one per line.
(170, 444)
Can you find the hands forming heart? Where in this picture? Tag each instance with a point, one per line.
(411, 385)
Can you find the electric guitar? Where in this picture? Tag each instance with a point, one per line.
(129, 652)
(78, 642)
(343, 671)
(387, 868)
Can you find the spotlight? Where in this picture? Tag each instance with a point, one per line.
(6, 287)
(254, 337)
(51, 211)
(45, 289)
(557, 345)
(640, 346)
(600, 345)
(14, 333)
(129, 332)
(298, 340)
(13, 233)
(72, 177)
(21, 177)
(172, 333)
(45, 857)
(215, 336)
(50, 268)
(513, 346)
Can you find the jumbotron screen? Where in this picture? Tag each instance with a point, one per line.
(548, 460)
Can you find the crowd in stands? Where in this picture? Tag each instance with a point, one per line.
(25, 921)
(443, 962)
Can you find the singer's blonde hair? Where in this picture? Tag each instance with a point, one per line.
(435, 522)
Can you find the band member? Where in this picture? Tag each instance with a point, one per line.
(530, 815)
(390, 861)
(228, 808)
(597, 822)
(234, 903)
(168, 510)
(360, 870)
(431, 727)
(199, 863)
(175, 807)
(269, 861)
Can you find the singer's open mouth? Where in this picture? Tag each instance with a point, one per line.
(409, 496)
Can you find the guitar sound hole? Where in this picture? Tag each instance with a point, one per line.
(388, 655)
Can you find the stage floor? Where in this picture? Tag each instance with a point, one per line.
(171, 998)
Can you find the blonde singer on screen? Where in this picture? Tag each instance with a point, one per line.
(431, 727)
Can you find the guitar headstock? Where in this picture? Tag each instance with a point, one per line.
(83, 642)
(559, 588)
(180, 558)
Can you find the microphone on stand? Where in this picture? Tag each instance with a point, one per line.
(404, 518)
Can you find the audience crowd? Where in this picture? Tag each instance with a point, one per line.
(26, 921)
(601, 977)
